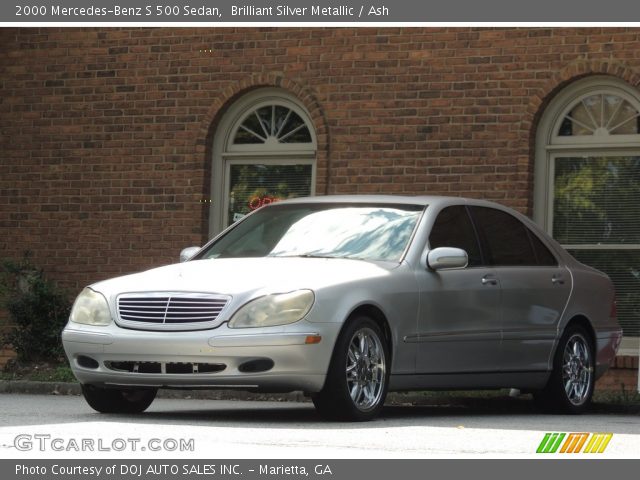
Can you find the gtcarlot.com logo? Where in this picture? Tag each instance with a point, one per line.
(574, 442)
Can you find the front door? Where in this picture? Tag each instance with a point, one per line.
(459, 325)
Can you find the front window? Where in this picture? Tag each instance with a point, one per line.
(355, 231)
(453, 228)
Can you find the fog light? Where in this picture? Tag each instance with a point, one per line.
(87, 362)
(256, 366)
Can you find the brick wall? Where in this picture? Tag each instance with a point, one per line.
(623, 375)
(105, 134)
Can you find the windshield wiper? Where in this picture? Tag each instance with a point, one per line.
(315, 255)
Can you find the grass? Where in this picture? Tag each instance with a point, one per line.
(615, 396)
(38, 372)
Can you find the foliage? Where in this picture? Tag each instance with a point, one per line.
(37, 308)
(37, 372)
(596, 204)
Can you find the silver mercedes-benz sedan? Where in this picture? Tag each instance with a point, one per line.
(347, 298)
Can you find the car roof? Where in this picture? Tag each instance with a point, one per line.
(422, 200)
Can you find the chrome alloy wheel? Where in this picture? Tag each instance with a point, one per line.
(577, 372)
(366, 369)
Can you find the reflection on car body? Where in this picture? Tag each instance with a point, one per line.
(347, 298)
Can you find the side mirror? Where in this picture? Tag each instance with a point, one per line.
(188, 252)
(447, 257)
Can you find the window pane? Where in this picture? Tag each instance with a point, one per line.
(504, 237)
(244, 137)
(622, 122)
(282, 115)
(265, 118)
(252, 186)
(274, 123)
(601, 114)
(371, 232)
(597, 200)
(579, 121)
(623, 267)
(251, 130)
(543, 254)
(453, 228)
(294, 131)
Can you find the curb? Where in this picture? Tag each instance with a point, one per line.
(393, 398)
(39, 388)
(71, 388)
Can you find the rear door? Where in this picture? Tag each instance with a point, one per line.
(535, 288)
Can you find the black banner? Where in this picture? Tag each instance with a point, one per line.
(528, 469)
(325, 12)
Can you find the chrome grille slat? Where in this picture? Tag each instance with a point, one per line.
(170, 311)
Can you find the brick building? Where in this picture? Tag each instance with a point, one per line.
(121, 146)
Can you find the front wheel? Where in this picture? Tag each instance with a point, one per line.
(358, 377)
(116, 400)
(570, 386)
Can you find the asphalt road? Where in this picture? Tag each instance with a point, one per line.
(56, 427)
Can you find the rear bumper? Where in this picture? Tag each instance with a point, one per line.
(607, 343)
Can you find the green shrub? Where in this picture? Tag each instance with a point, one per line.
(38, 309)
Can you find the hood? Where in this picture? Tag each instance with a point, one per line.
(242, 276)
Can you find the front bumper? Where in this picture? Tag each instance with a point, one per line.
(97, 356)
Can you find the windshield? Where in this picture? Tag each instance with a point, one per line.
(366, 232)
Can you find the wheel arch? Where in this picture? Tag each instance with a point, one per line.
(578, 319)
(378, 316)
(584, 322)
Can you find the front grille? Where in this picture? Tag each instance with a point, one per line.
(170, 311)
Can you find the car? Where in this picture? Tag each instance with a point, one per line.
(346, 298)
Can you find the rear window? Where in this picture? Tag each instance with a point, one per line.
(505, 238)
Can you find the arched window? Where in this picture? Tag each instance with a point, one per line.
(264, 151)
(587, 183)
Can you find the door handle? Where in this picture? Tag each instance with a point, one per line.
(557, 280)
(489, 280)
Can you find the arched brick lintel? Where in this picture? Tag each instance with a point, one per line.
(235, 90)
(540, 99)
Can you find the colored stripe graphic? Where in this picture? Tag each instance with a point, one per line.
(597, 442)
(550, 443)
(574, 443)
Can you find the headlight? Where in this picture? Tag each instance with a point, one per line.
(90, 308)
(271, 310)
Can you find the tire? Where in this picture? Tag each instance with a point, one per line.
(112, 400)
(358, 376)
(570, 386)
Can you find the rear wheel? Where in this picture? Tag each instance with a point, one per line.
(115, 400)
(357, 381)
(570, 387)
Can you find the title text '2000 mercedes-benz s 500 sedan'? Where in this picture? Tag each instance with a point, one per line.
(347, 298)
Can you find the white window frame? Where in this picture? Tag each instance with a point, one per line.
(550, 146)
(225, 153)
